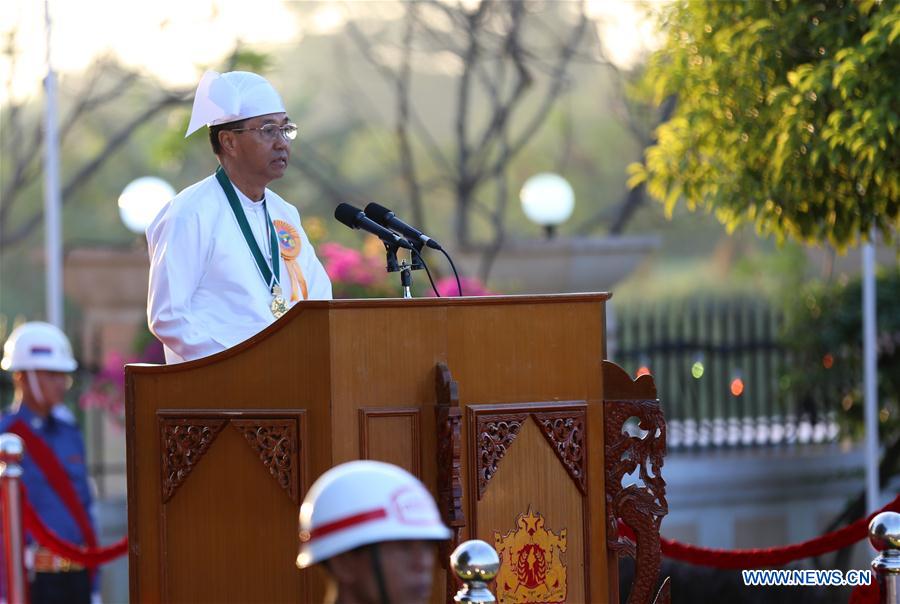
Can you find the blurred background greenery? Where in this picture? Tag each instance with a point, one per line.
(334, 84)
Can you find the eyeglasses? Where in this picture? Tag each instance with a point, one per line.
(270, 131)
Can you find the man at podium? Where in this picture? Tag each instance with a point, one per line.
(228, 256)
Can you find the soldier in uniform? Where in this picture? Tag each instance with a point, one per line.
(39, 357)
(374, 528)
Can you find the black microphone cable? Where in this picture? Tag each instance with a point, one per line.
(427, 272)
(455, 274)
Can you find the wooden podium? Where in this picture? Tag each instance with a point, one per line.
(496, 403)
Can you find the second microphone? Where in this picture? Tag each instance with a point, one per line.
(388, 219)
(355, 218)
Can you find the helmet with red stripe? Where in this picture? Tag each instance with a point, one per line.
(363, 502)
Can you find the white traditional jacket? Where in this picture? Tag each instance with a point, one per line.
(206, 291)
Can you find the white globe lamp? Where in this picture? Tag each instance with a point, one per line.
(547, 200)
(142, 200)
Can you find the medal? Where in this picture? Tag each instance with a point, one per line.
(278, 306)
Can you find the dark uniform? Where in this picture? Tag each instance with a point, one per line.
(55, 579)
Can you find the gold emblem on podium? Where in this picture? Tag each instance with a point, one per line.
(530, 566)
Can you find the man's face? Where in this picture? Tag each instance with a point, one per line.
(261, 158)
(44, 390)
(407, 567)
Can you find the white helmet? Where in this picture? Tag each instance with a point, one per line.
(363, 502)
(38, 345)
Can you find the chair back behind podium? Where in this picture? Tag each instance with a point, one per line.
(496, 404)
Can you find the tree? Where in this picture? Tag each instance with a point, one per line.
(824, 331)
(91, 97)
(511, 62)
(104, 84)
(788, 116)
(824, 323)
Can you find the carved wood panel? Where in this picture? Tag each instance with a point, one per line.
(493, 435)
(275, 436)
(636, 447)
(449, 467)
(402, 449)
(502, 433)
(183, 442)
(494, 428)
(566, 434)
(275, 442)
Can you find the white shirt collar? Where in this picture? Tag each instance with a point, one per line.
(249, 203)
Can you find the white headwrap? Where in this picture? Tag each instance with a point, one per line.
(232, 96)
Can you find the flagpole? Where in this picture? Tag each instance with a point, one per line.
(870, 374)
(52, 201)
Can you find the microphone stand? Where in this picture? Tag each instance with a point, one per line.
(406, 279)
(403, 267)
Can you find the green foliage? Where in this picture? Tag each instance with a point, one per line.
(787, 117)
(824, 329)
(245, 59)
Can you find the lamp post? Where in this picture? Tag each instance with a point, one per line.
(142, 200)
(547, 200)
(52, 193)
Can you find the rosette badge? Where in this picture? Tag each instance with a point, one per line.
(289, 243)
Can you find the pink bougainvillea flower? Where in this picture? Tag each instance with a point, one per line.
(471, 286)
(347, 265)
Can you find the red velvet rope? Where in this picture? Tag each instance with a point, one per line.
(770, 556)
(90, 557)
(866, 594)
(775, 556)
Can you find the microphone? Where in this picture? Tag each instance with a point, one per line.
(355, 218)
(388, 219)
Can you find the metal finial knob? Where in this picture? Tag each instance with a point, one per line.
(12, 450)
(884, 531)
(884, 535)
(476, 564)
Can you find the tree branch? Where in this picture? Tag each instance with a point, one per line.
(634, 198)
(498, 222)
(88, 102)
(403, 83)
(559, 78)
(392, 78)
(28, 166)
(329, 184)
(8, 238)
(502, 111)
(465, 182)
(24, 172)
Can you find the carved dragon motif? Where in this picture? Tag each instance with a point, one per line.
(641, 505)
(449, 480)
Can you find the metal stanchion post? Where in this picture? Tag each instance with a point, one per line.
(476, 564)
(884, 535)
(11, 452)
